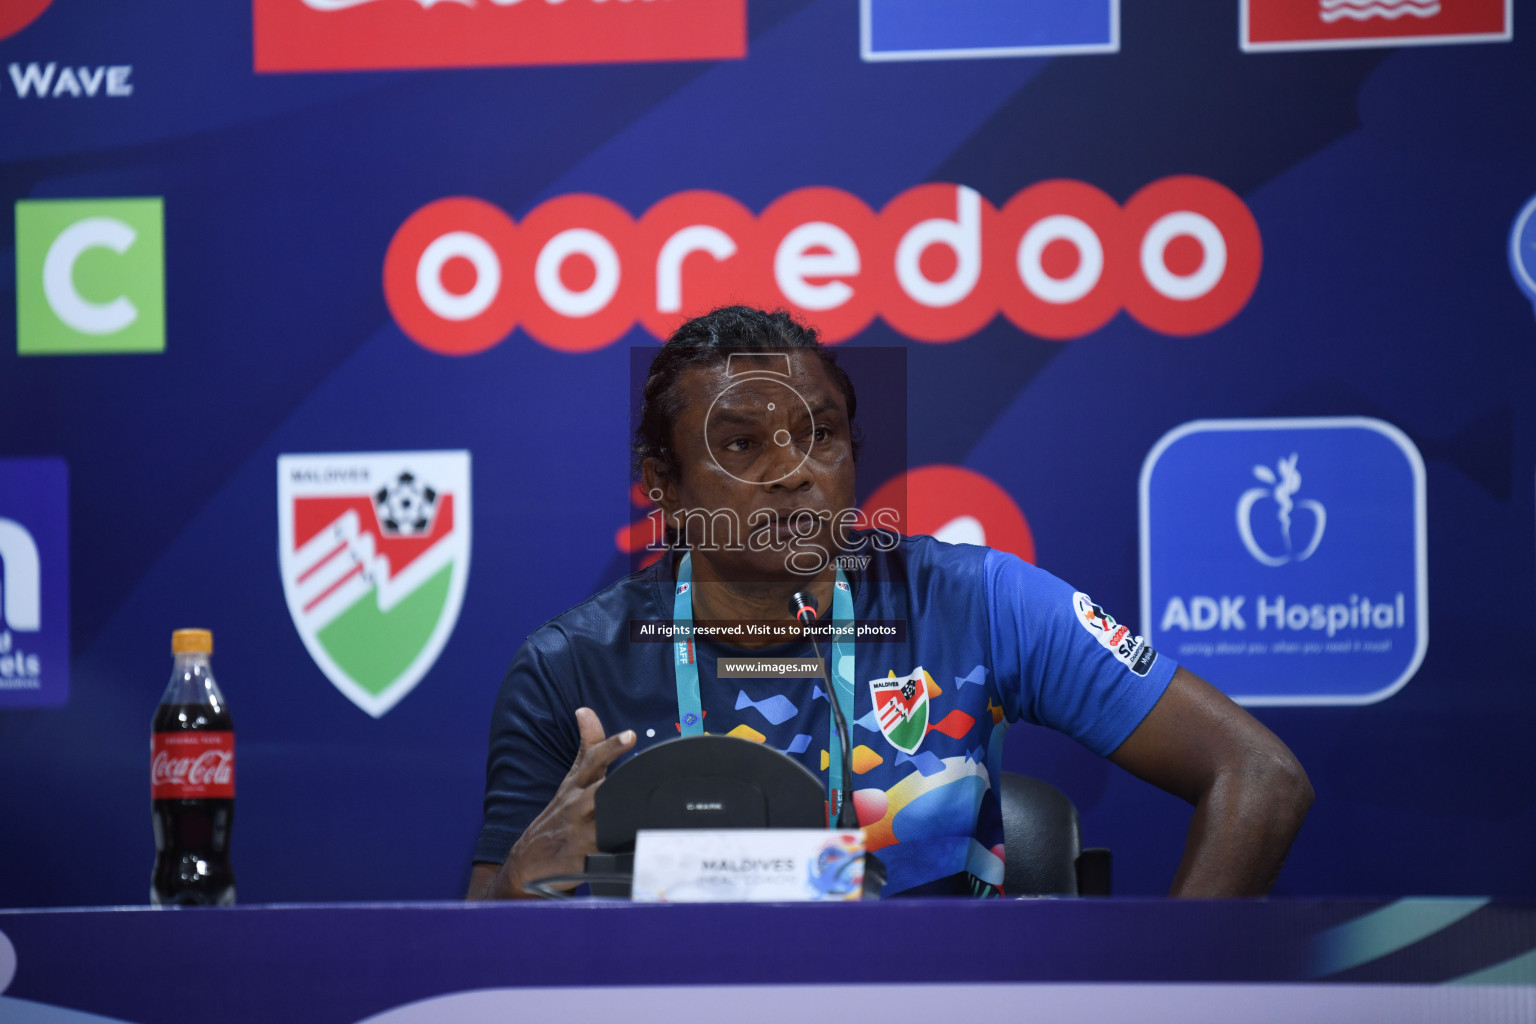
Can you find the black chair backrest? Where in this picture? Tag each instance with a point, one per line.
(1041, 839)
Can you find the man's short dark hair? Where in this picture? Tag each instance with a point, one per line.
(707, 341)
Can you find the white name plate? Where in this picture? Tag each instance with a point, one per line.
(763, 865)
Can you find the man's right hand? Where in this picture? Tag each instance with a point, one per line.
(559, 839)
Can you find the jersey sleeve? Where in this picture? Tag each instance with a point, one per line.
(533, 742)
(1064, 662)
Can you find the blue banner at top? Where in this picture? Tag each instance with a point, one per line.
(950, 29)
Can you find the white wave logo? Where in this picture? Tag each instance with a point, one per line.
(1361, 10)
(1281, 487)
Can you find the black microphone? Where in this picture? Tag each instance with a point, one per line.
(802, 605)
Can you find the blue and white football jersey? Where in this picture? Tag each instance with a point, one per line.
(990, 639)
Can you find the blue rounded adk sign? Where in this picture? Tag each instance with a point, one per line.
(1284, 559)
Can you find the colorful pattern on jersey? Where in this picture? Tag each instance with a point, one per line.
(918, 786)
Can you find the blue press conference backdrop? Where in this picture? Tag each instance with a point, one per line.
(1329, 234)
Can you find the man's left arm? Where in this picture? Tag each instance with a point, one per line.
(1249, 792)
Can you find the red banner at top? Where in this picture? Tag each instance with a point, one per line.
(360, 35)
(1324, 24)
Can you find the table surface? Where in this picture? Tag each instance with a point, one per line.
(348, 962)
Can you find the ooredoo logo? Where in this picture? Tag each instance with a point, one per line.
(1059, 260)
(958, 506)
(16, 15)
(338, 35)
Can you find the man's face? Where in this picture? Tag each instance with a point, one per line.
(766, 460)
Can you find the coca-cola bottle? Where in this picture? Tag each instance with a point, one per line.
(192, 781)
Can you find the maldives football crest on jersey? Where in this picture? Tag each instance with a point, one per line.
(901, 708)
(374, 553)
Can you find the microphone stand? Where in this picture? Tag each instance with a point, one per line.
(804, 607)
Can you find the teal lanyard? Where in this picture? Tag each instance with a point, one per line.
(690, 709)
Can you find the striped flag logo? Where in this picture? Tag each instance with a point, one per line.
(374, 554)
(901, 708)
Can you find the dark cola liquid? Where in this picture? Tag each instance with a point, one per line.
(192, 836)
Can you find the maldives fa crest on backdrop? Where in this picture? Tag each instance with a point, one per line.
(374, 553)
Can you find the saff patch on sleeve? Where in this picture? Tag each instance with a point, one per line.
(1132, 651)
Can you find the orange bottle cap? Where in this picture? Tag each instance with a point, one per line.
(192, 641)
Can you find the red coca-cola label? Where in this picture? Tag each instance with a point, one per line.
(195, 765)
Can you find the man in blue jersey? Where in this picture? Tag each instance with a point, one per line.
(747, 444)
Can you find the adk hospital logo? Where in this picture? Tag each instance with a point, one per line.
(1522, 249)
(34, 583)
(1284, 559)
(1283, 482)
(374, 553)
